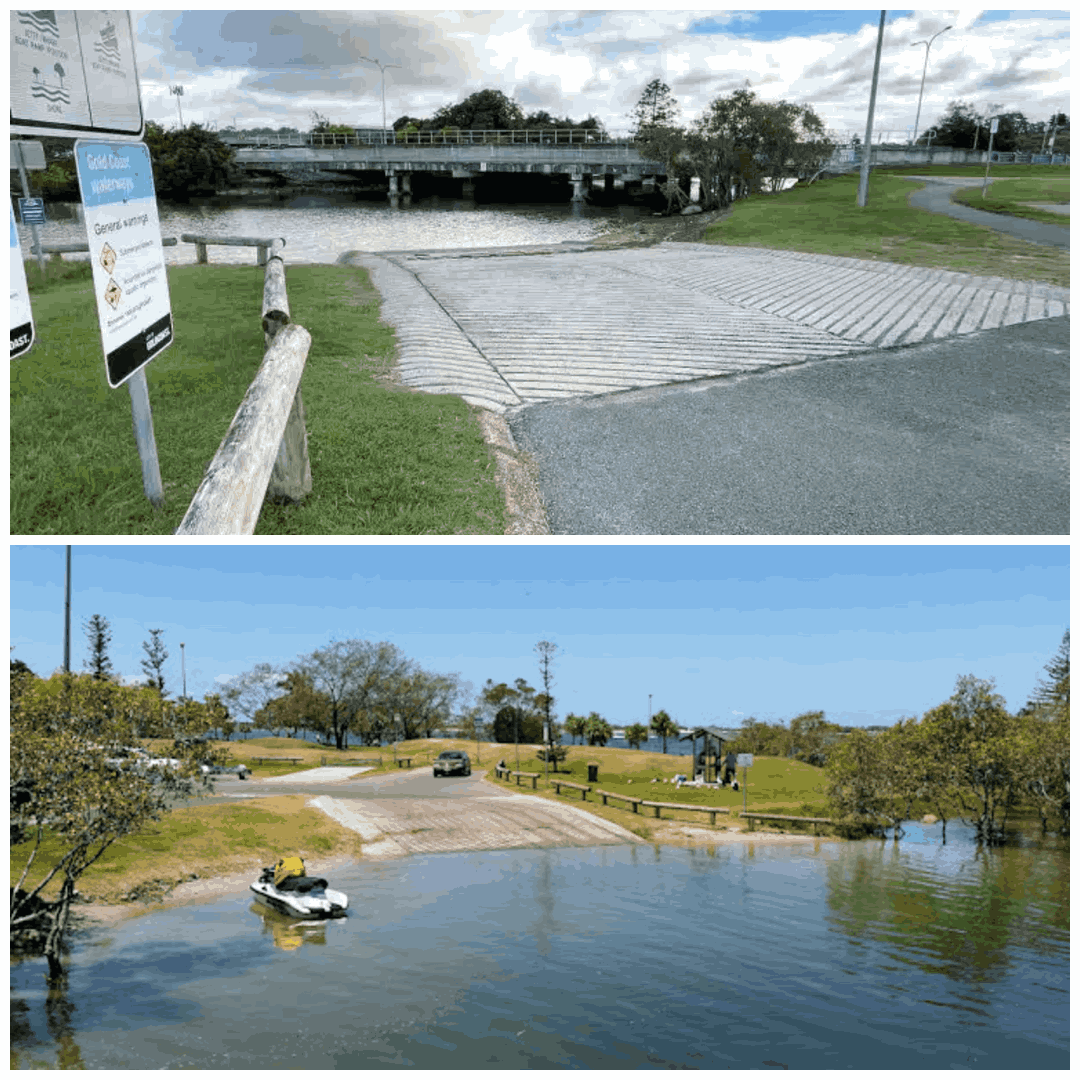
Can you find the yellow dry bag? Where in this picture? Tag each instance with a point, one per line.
(291, 866)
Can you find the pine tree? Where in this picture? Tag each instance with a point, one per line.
(156, 655)
(1054, 691)
(98, 636)
(656, 107)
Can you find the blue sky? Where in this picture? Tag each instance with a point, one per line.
(258, 68)
(868, 633)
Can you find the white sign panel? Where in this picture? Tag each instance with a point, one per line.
(744, 761)
(73, 73)
(993, 127)
(22, 319)
(130, 285)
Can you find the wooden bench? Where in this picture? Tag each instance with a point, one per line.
(787, 817)
(712, 811)
(263, 244)
(583, 788)
(534, 776)
(404, 762)
(633, 800)
(263, 760)
(355, 761)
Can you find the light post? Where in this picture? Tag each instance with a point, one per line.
(923, 83)
(864, 171)
(67, 614)
(382, 72)
(183, 669)
(179, 92)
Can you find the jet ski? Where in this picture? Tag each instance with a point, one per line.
(286, 887)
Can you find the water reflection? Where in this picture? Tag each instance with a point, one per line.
(814, 955)
(289, 933)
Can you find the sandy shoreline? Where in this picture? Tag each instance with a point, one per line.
(207, 890)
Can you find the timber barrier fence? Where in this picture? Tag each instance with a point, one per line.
(264, 453)
(201, 243)
(58, 249)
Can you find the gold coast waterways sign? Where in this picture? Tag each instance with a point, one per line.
(122, 227)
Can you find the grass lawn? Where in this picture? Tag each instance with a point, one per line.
(824, 218)
(384, 460)
(1009, 196)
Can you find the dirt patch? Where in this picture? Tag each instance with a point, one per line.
(681, 835)
(644, 232)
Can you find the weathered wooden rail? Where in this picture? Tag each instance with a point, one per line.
(264, 453)
(263, 760)
(583, 788)
(57, 249)
(265, 245)
(712, 811)
(787, 817)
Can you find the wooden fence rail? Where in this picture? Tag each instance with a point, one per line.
(787, 817)
(264, 453)
(202, 242)
(57, 249)
(712, 811)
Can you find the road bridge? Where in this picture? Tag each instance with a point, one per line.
(341, 157)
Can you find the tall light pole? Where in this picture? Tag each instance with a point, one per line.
(864, 172)
(183, 669)
(382, 72)
(67, 614)
(179, 92)
(918, 112)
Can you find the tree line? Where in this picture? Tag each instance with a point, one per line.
(964, 127)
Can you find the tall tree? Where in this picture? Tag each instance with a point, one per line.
(486, 110)
(575, 726)
(98, 636)
(547, 651)
(636, 734)
(188, 161)
(656, 108)
(597, 730)
(153, 665)
(1054, 690)
(664, 726)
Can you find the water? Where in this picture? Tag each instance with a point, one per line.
(864, 955)
(318, 228)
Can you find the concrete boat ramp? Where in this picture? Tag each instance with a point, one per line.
(506, 329)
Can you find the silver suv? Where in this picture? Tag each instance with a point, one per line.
(451, 762)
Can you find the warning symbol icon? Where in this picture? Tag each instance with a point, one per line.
(108, 258)
(112, 293)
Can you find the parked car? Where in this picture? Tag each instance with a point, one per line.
(241, 771)
(451, 762)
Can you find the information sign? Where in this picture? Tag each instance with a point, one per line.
(32, 211)
(22, 318)
(993, 127)
(744, 761)
(32, 153)
(73, 73)
(132, 292)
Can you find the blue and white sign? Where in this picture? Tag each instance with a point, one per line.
(130, 284)
(32, 211)
(22, 319)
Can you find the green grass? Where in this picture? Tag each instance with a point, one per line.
(1037, 171)
(824, 218)
(1008, 196)
(383, 460)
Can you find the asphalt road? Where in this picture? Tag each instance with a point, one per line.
(937, 198)
(966, 435)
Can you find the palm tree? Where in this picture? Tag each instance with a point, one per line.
(636, 734)
(575, 725)
(664, 726)
(597, 729)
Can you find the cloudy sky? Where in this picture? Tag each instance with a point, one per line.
(714, 633)
(258, 68)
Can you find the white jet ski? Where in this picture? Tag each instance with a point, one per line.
(286, 888)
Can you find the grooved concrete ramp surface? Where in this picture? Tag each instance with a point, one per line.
(413, 826)
(506, 330)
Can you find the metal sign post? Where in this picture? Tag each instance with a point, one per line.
(26, 156)
(130, 285)
(745, 761)
(989, 150)
(22, 318)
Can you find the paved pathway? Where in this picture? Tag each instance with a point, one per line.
(936, 197)
(507, 330)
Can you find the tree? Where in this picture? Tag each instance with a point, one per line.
(189, 161)
(301, 707)
(156, 655)
(98, 636)
(73, 794)
(250, 692)
(1045, 731)
(486, 110)
(517, 718)
(963, 126)
(636, 734)
(809, 737)
(597, 730)
(575, 726)
(656, 108)
(853, 790)
(664, 726)
(1054, 690)
(546, 651)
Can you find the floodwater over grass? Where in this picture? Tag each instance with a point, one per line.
(827, 955)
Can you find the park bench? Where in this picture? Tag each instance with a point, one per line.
(633, 800)
(583, 788)
(355, 761)
(263, 760)
(787, 817)
(404, 762)
(534, 776)
(712, 811)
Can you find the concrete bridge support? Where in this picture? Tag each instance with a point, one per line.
(579, 188)
(468, 189)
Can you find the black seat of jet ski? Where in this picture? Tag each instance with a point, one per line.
(302, 884)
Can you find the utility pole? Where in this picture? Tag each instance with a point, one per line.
(67, 614)
(918, 112)
(864, 172)
(382, 72)
(989, 151)
(183, 669)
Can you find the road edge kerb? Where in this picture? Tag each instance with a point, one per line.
(516, 474)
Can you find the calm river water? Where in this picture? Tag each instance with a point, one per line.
(824, 955)
(320, 227)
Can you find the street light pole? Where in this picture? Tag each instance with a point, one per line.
(382, 72)
(179, 92)
(67, 614)
(923, 83)
(864, 171)
(183, 669)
